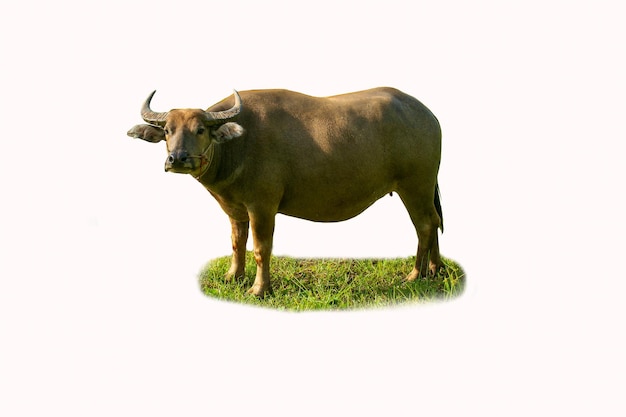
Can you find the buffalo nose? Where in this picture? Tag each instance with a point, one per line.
(177, 157)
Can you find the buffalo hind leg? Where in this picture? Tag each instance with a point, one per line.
(239, 238)
(426, 222)
(262, 225)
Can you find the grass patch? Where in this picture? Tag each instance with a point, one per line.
(334, 284)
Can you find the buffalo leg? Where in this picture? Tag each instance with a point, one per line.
(426, 222)
(262, 225)
(239, 238)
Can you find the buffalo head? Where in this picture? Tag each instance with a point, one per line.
(190, 134)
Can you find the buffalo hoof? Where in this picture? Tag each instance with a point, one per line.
(233, 276)
(414, 275)
(260, 291)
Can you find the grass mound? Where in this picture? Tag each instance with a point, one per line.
(334, 284)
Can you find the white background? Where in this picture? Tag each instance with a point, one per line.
(100, 311)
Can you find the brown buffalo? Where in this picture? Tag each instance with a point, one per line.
(322, 159)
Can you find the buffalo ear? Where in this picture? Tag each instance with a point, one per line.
(228, 131)
(148, 133)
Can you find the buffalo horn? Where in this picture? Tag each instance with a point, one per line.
(218, 116)
(150, 116)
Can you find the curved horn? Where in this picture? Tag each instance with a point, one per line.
(150, 116)
(219, 116)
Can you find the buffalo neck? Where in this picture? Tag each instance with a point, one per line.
(221, 166)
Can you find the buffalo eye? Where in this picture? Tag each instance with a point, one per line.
(166, 130)
(201, 130)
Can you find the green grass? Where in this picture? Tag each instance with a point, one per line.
(334, 284)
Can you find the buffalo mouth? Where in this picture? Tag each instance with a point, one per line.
(180, 170)
(181, 167)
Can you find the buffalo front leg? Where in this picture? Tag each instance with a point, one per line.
(239, 238)
(262, 225)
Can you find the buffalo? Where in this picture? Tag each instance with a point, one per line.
(324, 159)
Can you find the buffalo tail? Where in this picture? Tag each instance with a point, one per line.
(438, 205)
